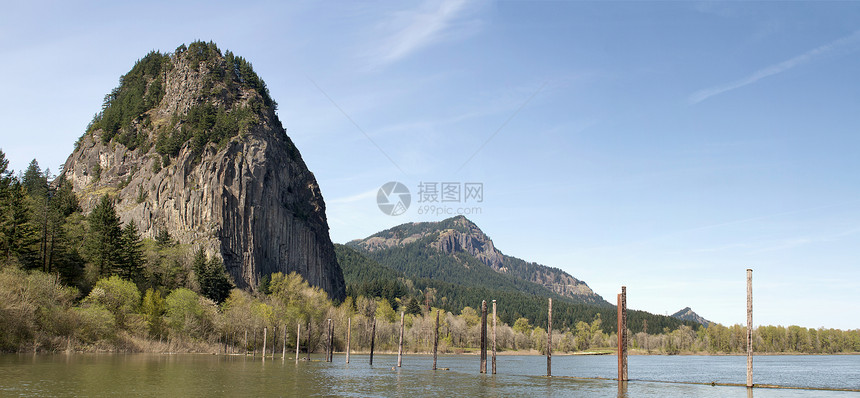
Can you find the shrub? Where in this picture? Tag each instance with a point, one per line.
(116, 295)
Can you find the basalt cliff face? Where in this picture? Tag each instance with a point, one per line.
(190, 143)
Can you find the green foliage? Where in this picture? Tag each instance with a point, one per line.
(264, 286)
(34, 182)
(522, 325)
(211, 277)
(188, 315)
(153, 308)
(163, 238)
(32, 305)
(103, 245)
(94, 323)
(205, 123)
(412, 306)
(131, 267)
(17, 237)
(366, 277)
(140, 90)
(244, 73)
(295, 296)
(117, 295)
(167, 265)
(385, 311)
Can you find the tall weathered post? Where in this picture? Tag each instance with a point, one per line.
(549, 340)
(265, 330)
(348, 336)
(400, 346)
(284, 345)
(436, 340)
(255, 343)
(372, 340)
(494, 336)
(483, 336)
(274, 341)
(331, 343)
(622, 334)
(749, 329)
(298, 340)
(328, 341)
(245, 345)
(308, 342)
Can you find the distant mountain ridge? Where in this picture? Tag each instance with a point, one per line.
(461, 241)
(687, 314)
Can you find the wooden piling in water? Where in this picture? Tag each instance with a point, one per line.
(245, 346)
(308, 341)
(265, 341)
(483, 336)
(372, 340)
(255, 344)
(400, 346)
(284, 345)
(549, 339)
(330, 340)
(274, 341)
(348, 336)
(622, 334)
(298, 339)
(749, 329)
(436, 340)
(494, 336)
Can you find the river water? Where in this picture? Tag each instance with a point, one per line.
(196, 375)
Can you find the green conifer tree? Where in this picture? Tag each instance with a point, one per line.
(103, 243)
(131, 267)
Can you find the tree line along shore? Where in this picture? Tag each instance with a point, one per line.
(74, 282)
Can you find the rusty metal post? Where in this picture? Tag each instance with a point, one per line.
(549, 340)
(749, 330)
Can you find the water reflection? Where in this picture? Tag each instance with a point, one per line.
(622, 389)
(208, 375)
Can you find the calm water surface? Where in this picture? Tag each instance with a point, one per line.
(208, 375)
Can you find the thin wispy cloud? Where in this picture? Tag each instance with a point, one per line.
(354, 198)
(843, 44)
(432, 22)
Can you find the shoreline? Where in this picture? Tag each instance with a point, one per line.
(211, 351)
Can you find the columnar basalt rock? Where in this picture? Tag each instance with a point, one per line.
(247, 197)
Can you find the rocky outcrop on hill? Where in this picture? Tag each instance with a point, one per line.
(204, 156)
(687, 314)
(460, 235)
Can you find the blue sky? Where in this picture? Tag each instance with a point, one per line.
(665, 146)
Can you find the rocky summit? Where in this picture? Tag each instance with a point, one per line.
(458, 236)
(687, 314)
(190, 143)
